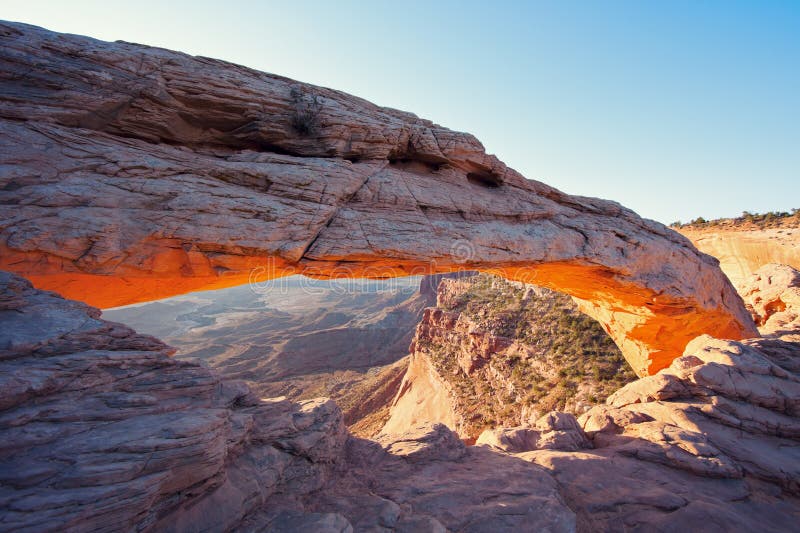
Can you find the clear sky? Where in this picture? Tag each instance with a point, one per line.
(675, 109)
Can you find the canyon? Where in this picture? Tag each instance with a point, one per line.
(131, 173)
(493, 353)
(103, 429)
(300, 338)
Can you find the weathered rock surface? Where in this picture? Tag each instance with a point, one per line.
(132, 173)
(424, 443)
(772, 295)
(554, 431)
(742, 251)
(710, 443)
(499, 354)
(101, 430)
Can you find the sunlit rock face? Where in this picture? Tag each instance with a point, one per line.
(132, 173)
(742, 251)
(494, 353)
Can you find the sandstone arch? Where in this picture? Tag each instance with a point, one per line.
(132, 173)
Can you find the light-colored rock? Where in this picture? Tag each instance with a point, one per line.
(101, 429)
(494, 354)
(424, 443)
(482, 491)
(423, 398)
(772, 295)
(100, 433)
(742, 251)
(713, 439)
(134, 173)
(158, 173)
(554, 431)
(133, 439)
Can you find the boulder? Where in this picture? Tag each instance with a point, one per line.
(553, 431)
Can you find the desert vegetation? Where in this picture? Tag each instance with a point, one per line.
(556, 358)
(748, 220)
(307, 107)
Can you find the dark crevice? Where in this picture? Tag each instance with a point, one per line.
(484, 179)
(414, 163)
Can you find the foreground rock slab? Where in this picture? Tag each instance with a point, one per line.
(132, 173)
(101, 430)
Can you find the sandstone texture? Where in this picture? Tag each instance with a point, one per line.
(742, 251)
(102, 430)
(554, 431)
(131, 173)
(772, 295)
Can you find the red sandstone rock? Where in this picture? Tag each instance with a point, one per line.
(133, 173)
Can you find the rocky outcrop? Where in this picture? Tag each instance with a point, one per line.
(101, 430)
(772, 295)
(497, 354)
(743, 250)
(554, 431)
(133, 173)
(713, 440)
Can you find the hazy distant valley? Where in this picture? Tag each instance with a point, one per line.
(293, 337)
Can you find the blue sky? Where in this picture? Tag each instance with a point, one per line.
(675, 109)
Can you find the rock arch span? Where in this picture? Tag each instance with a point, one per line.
(132, 173)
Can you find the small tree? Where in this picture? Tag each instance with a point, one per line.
(305, 119)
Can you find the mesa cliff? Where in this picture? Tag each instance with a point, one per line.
(742, 251)
(136, 173)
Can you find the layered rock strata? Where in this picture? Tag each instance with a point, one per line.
(133, 173)
(496, 353)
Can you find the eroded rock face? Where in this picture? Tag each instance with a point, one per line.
(772, 295)
(712, 440)
(494, 353)
(742, 251)
(554, 431)
(101, 430)
(133, 173)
